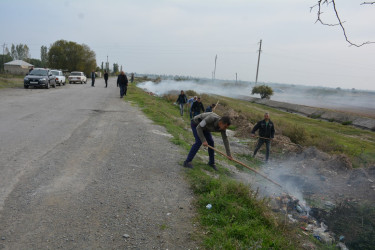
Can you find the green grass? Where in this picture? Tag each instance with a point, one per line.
(238, 219)
(11, 81)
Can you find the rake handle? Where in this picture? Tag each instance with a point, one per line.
(244, 165)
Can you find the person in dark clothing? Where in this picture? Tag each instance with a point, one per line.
(93, 78)
(209, 108)
(122, 81)
(31, 68)
(182, 100)
(266, 134)
(106, 78)
(132, 78)
(197, 107)
(202, 125)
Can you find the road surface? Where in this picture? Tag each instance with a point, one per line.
(82, 169)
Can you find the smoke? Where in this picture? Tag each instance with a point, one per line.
(350, 100)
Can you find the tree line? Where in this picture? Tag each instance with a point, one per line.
(62, 54)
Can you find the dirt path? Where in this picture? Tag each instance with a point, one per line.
(109, 179)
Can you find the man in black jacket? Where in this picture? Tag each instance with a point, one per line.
(266, 134)
(106, 78)
(122, 81)
(197, 107)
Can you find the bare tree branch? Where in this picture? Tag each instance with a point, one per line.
(340, 23)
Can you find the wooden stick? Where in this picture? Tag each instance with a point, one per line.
(215, 106)
(244, 165)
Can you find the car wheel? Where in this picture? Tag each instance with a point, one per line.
(63, 83)
(47, 87)
(81, 82)
(26, 86)
(54, 85)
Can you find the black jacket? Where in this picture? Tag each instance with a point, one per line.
(264, 131)
(105, 76)
(122, 80)
(197, 107)
(182, 99)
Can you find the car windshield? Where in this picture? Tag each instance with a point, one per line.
(55, 72)
(39, 72)
(75, 73)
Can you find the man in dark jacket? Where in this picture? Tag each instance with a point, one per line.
(202, 125)
(106, 78)
(122, 81)
(211, 107)
(197, 107)
(182, 100)
(93, 78)
(266, 134)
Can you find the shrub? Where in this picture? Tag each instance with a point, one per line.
(191, 93)
(263, 90)
(296, 134)
(347, 123)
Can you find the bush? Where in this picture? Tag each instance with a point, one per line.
(347, 123)
(295, 133)
(263, 90)
(190, 93)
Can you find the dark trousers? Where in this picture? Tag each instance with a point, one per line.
(106, 82)
(268, 146)
(194, 149)
(123, 89)
(92, 81)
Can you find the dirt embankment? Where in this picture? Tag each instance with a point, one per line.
(319, 113)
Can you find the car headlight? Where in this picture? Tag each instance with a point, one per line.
(43, 79)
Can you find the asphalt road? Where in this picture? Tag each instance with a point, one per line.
(82, 169)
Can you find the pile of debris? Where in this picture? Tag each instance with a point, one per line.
(297, 212)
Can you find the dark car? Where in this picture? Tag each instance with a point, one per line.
(39, 78)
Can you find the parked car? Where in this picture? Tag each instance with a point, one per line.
(39, 78)
(77, 76)
(59, 77)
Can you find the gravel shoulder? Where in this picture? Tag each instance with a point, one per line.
(110, 180)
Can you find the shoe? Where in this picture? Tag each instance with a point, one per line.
(213, 165)
(188, 164)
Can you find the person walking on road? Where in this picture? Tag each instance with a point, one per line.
(202, 125)
(132, 78)
(122, 81)
(182, 100)
(197, 107)
(106, 78)
(93, 78)
(191, 102)
(266, 134)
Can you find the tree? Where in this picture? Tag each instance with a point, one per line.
(36, 62)
(340, 23)
(263, 90)
(115, 68)
(20, 52)
(44, 56)
(71, 56)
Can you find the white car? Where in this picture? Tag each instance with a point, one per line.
(77, 76)
(60, 78)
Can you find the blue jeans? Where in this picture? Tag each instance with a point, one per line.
(194, 149)
(123, 89)
(268, 146)
(182, 109)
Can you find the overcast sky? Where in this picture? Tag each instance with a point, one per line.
(182, 37)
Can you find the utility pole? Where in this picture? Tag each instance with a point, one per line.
(214, 74)
(107, 65)
(260, 49)
(2, 65)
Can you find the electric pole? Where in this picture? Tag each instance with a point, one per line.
(2, 65)
(214, 74)
(260, 49)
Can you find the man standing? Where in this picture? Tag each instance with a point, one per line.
(197, 107)
(122, 81)
(266, 134)
(106, 78)
(132, 78)
(182, 100)
(191, 102)
(202, 125)
(92, 78)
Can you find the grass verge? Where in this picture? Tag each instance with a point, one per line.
(11, 81)
(238, 219)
